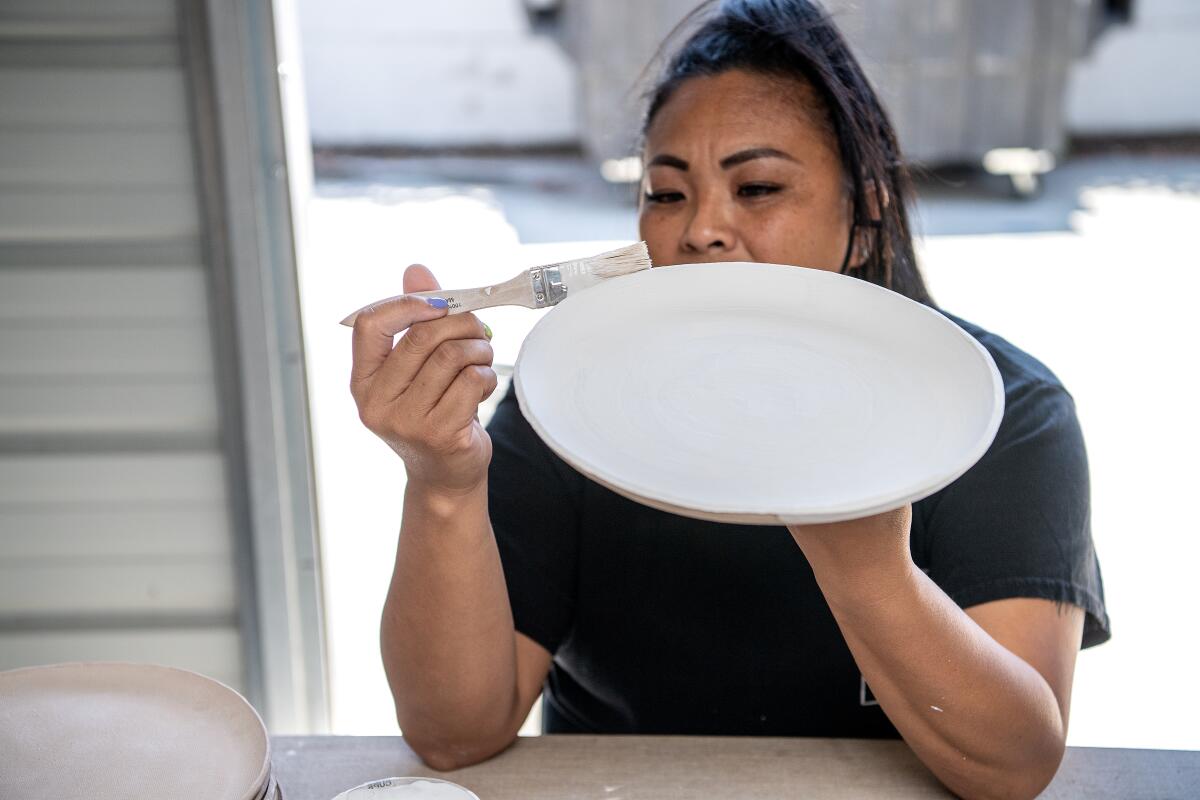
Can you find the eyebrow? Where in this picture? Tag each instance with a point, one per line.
(664, 160)
(740, 157)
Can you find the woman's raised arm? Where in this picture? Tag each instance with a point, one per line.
(462, 679)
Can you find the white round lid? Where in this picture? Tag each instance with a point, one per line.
(113, 731)
(408, 789)
(758, 393)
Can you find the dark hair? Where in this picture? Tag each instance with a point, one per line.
(796, 39)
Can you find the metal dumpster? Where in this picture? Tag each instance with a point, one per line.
(961, 78)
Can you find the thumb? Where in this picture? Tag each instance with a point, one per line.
(418, 278)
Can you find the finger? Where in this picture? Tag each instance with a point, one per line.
(459, 404)
(376, 328)
(415, 347)
(443, 368)
(418, 278)
(389, 317)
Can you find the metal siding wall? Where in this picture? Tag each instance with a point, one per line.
(115, 532)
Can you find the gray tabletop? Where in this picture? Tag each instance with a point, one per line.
(673, 768)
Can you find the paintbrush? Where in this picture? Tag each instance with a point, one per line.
(538, 287)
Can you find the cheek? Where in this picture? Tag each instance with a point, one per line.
(810, 235)
(656, 231)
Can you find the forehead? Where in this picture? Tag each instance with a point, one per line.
(741, 108)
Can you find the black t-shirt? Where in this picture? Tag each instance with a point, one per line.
(663, 624)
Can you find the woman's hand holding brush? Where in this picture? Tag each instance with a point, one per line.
(421, 394)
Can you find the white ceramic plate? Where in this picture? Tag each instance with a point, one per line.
(112, 731)
(758, 393)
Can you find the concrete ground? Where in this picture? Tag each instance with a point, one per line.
(1098, 278)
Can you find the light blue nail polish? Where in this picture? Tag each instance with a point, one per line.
(437, 302)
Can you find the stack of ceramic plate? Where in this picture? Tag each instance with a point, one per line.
(112, 731)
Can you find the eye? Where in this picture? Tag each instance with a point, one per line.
(757, 189)
(664, 198)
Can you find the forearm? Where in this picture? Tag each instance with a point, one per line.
(447, 631)
(983, 720)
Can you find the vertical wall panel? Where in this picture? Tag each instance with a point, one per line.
(116, 535)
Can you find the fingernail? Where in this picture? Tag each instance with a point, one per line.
(487, 331)
(437, 302)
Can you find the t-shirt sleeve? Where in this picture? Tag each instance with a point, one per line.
(1018, 523)
(533, 502)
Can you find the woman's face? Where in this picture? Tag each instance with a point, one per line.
(738, 170)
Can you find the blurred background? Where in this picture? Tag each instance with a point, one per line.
(193, 193)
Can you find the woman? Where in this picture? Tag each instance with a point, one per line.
(953, 623)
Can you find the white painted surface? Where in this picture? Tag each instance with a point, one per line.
(1141, 78)
(458, 72)
(468, 72)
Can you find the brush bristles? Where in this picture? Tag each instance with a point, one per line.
(619, 262)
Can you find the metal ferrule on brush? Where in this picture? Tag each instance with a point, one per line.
(551, 282)
(548, 286)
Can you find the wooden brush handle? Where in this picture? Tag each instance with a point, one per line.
(517, 291)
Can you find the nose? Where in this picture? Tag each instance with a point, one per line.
(710, 231)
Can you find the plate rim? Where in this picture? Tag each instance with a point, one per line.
(832, 513)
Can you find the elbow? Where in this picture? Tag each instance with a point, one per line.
(1020, 786)
(1040, 764)
(448, 755)
(1024, 781)
(1040, 772)
(435, 755)
(446, 750)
